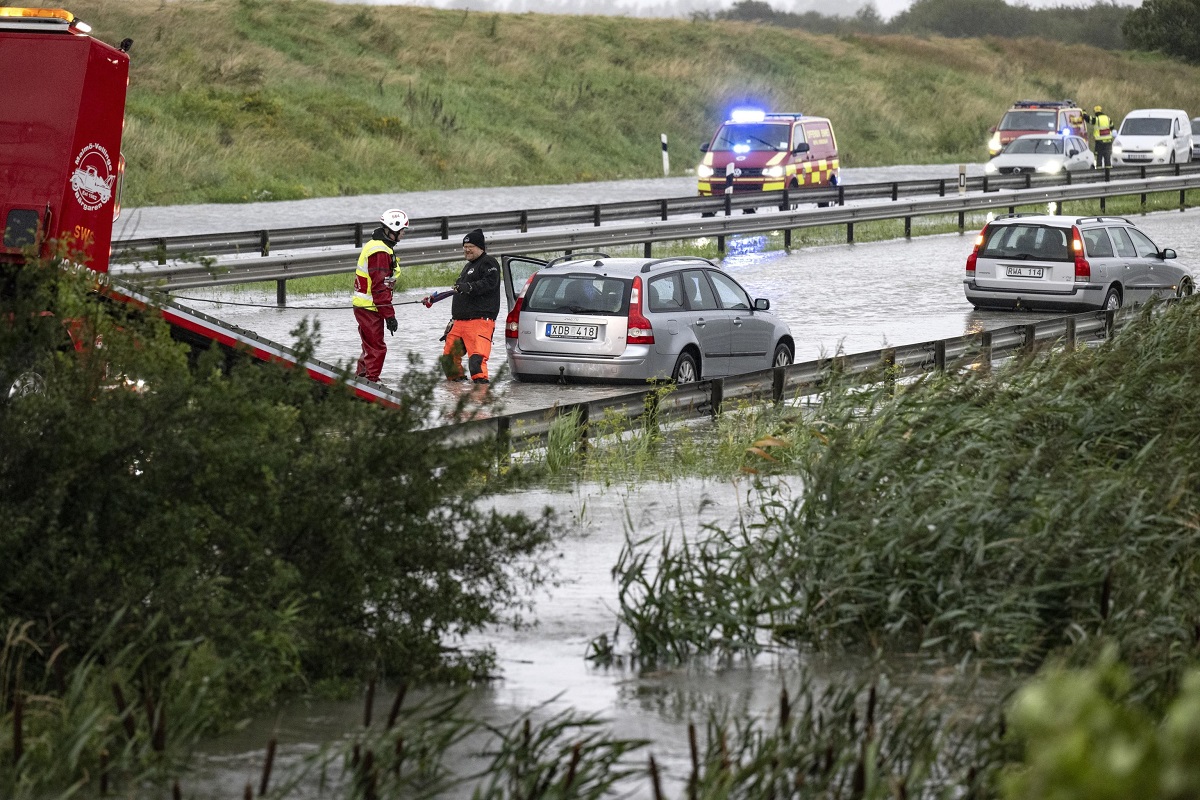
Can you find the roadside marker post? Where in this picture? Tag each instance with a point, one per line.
(666, 158)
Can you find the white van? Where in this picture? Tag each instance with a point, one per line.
(1153, 136)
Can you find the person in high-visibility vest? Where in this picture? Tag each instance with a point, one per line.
(1102, 135)
(374, 278)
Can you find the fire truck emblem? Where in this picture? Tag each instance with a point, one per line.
(93, 177)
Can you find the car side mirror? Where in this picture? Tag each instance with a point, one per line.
(762, 304)
(1072, 153)
(1167, 253)
(704, 147)
(803, 147)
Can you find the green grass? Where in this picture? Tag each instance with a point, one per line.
(236, 100)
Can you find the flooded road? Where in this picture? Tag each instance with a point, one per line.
(840, 297)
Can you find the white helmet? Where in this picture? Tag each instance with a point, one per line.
(394, 220)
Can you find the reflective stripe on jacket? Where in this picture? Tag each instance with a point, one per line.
(1102, 131)
(364, 289)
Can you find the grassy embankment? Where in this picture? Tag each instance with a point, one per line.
(240, 100)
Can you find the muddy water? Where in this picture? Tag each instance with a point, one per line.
(544, 669)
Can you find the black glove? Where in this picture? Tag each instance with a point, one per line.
(460, 288)
(391, 325)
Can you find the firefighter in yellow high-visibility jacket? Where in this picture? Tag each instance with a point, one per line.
(374, 278)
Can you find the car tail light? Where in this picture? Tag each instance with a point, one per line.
(1083, 270)
(639, 329)
(975, 252)
(513, 321)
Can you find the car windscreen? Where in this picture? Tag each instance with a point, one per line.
(1032, 242)
(1043, 146)
(1146, 126)
(578, 294)
(749, 137)
(1029, 121)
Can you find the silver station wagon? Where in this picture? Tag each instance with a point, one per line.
(592, 318)
(1063, 263)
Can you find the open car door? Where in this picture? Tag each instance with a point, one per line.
(517, 272)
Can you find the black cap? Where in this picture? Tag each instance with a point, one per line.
(475, 237)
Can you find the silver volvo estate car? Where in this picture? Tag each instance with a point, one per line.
(1064, 263)
(592, 318)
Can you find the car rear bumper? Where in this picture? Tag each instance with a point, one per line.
(638, 364)
(1082, 297)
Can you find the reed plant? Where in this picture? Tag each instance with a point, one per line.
(998, 517)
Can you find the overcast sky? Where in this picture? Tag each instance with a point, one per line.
(684, 8)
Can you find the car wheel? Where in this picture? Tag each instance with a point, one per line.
(23, 384)
(1185, 288)
(783, 355)
(1112, 300)
(686, 370)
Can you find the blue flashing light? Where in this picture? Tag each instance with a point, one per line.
(747, 115)
(741, 148)
(1066, 131)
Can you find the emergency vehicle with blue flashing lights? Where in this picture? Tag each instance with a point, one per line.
(1038, 116)
(756, 151)
(61, 171)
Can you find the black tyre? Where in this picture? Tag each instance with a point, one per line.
(1185, 288)
(783, 355)
(686, 369)
(1112, 300)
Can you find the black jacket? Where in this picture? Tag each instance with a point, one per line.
(478, 288)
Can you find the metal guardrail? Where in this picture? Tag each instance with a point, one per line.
(264, 242)
(432, 250)
(531, 429)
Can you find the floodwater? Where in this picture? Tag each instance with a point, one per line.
(838, 297)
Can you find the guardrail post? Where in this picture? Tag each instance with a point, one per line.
(1068, 177)
(720, 244)
(503, 436)
(942, 188)
(524, 222)
(1030, 338)
(841, 195)
(787, 238)
(1028, 180)
(784, 205)
(895, 191)
(939, 355)
(849, 233)
(1012, 209)
(445, 227)
(985, 182)
(908, 227)
(1110, 320)
(264, 243)
(985, 351)
(162, 251)
(281, 293)
(662, 209)
(645, 250)
(888, 360)
(728, 204)
(1143, 202)
(778, 379)
(1102, 198)
(716, 395)
(358, 240)
(1182, 195)
(962, 221)
(596, 215)
(1069, 344)
(583, 427)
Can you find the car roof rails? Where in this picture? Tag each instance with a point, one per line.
(1102, 219)
(1014, 216)
(577, 257)
(1044, 104)
(675, 260)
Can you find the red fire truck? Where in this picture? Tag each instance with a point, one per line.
(62, 112)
